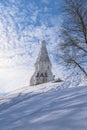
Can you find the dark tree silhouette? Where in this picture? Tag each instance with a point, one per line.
(73, 46)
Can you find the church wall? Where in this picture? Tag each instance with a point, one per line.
(42, 68)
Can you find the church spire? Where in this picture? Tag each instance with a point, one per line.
(42, 67)
(43, 54)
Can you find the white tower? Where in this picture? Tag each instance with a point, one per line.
(43, 67)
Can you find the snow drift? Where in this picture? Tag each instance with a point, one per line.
(48, 106)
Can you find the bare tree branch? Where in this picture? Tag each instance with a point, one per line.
(73, 48)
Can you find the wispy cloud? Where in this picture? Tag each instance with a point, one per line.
(23, 25)
(45, 1)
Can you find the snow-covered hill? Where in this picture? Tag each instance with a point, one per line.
(49, 106)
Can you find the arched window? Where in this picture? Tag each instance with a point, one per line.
(41, 75)
(45, 74)
(37, 75)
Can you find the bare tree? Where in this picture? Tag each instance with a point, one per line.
(73, 46)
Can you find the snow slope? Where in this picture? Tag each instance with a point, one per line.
(49, 106)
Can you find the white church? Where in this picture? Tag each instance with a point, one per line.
(43, 67)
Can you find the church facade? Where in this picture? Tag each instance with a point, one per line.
(43, 67)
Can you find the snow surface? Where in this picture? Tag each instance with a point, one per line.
(50, 106)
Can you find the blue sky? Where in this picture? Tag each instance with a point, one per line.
(23, 24)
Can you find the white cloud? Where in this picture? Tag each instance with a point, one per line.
(45, 1)
(46, 9)
(14, 78)
(20, 43)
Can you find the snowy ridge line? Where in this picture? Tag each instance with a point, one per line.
(37, 89)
